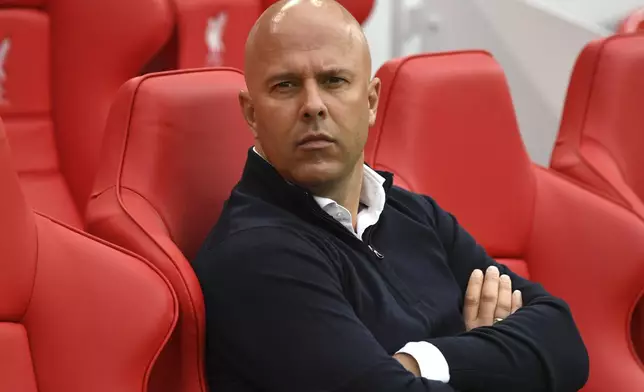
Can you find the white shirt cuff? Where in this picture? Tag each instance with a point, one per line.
(431, 362)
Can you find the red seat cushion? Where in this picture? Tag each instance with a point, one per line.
(175, 146)
(446, 127)
(76, 313)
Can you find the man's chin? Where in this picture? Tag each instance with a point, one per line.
(317, 175)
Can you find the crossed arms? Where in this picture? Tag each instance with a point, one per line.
(285, 324)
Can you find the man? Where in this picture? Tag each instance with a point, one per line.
(322, 276)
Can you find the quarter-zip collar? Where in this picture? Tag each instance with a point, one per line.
(261, 179)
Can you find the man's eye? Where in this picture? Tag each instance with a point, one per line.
(335, 81)
(284, 85)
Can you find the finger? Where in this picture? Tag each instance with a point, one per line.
(517, 301)
(489, 296)
(473, 297)
(504, 302)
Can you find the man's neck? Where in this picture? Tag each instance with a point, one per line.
(347, 192)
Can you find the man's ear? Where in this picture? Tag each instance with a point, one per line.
(374, 99)
(248, 111)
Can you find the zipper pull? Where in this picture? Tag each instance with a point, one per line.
(375, 251)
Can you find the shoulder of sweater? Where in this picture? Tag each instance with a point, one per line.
(262, 248)
(269, 238)
(415, 205)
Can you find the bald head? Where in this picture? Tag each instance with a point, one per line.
(310, 98)
(305, 25)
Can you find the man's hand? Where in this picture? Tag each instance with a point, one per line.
(488, 298)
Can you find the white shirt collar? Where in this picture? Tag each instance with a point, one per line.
(372, 197)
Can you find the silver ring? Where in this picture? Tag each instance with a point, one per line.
(496, 320)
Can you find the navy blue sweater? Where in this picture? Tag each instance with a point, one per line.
(295, 302)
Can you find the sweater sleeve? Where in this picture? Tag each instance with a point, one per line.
(277, 316)
(536, 349)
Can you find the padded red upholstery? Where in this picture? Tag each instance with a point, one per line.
(63, 61)
(175, 145)
(447, 128)
(601, 138)
(360, 9)
(25, 93)
(213, 33)
(633, 23)
(76, 314)
(207, 33)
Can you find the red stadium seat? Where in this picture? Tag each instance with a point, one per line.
(360, 9)
(76, 314)
(601, 138)
(208, 33)
(633, 23)
(175, 146)
(447, 128)
(213, 32)
(61, 62)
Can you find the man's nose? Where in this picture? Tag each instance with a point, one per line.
(313, 107)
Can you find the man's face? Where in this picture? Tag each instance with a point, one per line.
(311, 103)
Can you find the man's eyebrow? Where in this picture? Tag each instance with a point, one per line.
(282, 76)
(334, 71)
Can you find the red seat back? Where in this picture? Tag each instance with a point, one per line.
(62, 61)
(208, 33)
(446, 127)
(76, 314)
(396, 141)
(175, 146)
(632, 23)
(213, 33)
(601, 138)
(360, 9)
